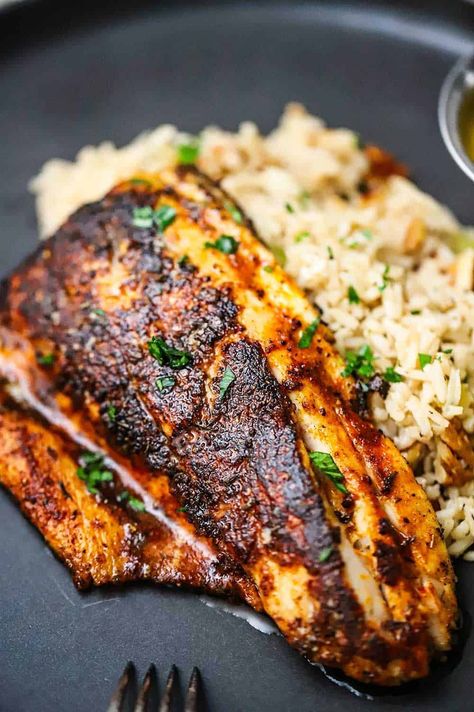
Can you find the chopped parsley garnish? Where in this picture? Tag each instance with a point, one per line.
(235, 214)
(330, 253)
(92, 471)
(415, 312)
(45, 359)
(136, 504)
(111, 412)
(392, 376)
(188, 153)
(161, 218)
(164, 216)
(226, 380)
(324, 554)
(268, 268)
(98, 312)
(368, 234)
(140, 181)
(424, 360)
(325, 464)
(133, 502)
(289, 208)
(167, 355)
(385, 279)
(182, 509)
(183, 260)
(225, 243)
(359, 363)
(279, 255)
(165, 382)
(308, 333)
(301, 236)
(143, 217)
(447, 351)
(352, 295)
(358, 142)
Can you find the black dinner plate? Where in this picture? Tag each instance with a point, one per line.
(72, 74)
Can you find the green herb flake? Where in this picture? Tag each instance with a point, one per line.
(225, 243)
(164, 383)
(289, 208)
(424, 360)
(92, 471)
(88, 458)
(234, 212)
(167, 355)
(330, 253)
(183, 260)
(307, 336)
(300, 236)
(325, 554)
(359, 363)
(188, 153)
(111, 413)
(352, 295)
(268, 268)
(415, 312)
(98, 312)
(136, 504)
(226, 380)
(358, 143)
(325, 464)
(143, 217)
(392, 376)
(164, 216)
(161, 218)
(447, 351)
(279, 254)
(182, 509)
(385, 279)
(368, 234)
(45, 359)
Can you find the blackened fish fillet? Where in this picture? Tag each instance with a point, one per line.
(104, 540)
(164, 282)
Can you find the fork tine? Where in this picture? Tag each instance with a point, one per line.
(116, 702)
(143, 698)
(165, 703)
(191, 702)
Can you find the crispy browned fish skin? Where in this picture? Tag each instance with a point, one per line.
(382, 600)
(101, 541)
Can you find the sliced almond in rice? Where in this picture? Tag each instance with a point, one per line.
(414, 236)
(464, 270)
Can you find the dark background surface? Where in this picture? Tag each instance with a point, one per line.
(76, 75)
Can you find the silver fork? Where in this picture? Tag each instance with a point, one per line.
(144, 695)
